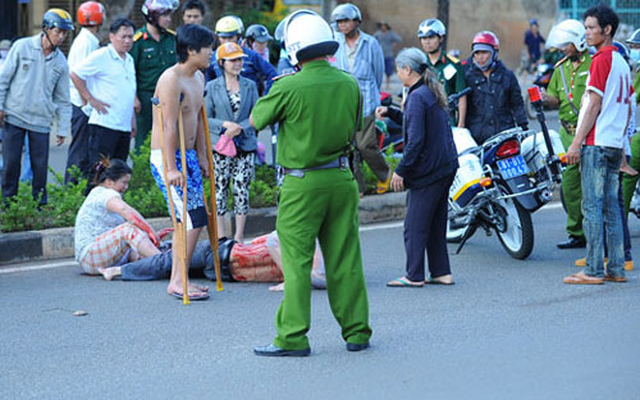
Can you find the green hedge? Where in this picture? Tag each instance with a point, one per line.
(22, 213)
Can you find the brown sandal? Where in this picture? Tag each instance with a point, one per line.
(581, 279)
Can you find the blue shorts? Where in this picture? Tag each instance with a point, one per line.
(197, 214)
(389, 66)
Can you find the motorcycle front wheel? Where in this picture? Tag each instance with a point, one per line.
(516, 236)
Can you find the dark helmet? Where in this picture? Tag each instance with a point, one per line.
(258, 33)
(153, 9)
(57, 18)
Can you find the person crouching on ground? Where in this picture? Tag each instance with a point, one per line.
(229, 100)
(108, 230)
(427, 169)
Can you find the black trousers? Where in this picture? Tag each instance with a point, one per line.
(12, 144)
(108, 143)
(425, 228)
(78, 154)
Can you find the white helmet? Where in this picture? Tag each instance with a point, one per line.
(431, 27)
(568, 31)
(307, 35)
(346, 11)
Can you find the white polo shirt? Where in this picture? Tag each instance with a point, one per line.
(610, 78)
(112, 80)
(83, 45)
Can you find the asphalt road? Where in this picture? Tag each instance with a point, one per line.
(507, 330)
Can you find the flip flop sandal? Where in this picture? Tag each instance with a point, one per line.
(435, 281)
(578, 279)
(201, 296)
(404, 282)
(617, 279)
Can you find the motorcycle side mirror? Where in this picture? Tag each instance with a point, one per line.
(534, 94)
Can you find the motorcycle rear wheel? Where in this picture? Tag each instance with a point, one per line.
(517, 238)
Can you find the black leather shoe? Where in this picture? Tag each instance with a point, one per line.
(357, 346)
(572, 243)
(275, 351)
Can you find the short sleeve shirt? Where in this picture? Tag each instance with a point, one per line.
(450, 73)
(111, 79)
(576, 79)
(610, 78)
(151, 57)
(83, 45)
(317, 110)
(94, 219)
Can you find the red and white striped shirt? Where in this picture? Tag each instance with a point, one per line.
(610, 78)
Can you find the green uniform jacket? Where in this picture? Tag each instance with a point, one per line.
(450, 73)
(317, 111)
(152, 58)
(576, 76)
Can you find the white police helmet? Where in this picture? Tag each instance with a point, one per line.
(307, 36)
(568, 31)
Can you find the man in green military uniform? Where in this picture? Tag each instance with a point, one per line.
(153, 51)
(629, 182)
(318, 110)
(567, 85)
(431, 33)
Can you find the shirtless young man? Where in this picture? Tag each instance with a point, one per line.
(182, 87)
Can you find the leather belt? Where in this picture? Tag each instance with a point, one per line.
(341, 162)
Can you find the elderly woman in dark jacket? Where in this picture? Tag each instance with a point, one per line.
(427, 169)
(229, 100)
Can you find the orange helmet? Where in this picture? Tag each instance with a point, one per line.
(90, 13)
(229, 51)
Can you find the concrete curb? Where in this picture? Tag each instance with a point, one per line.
(58, 243)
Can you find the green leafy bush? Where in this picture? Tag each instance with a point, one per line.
(22, 213)
(370, 180)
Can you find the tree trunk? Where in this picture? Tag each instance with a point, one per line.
(443, 15)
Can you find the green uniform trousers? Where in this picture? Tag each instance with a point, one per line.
(629, 182)
(572, 192)
(323, 205)
(144, 119)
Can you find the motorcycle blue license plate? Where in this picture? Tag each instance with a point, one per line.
(513, 167)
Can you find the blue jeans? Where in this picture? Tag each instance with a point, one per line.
(600, 209)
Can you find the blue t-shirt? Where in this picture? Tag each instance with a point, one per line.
(533, 44)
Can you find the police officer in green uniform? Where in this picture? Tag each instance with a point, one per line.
(431, 33)
(567, 85)
(318, 110)
(153, 51)
(629, 182)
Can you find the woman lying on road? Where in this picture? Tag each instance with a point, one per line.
(259, 261)
(108, 231)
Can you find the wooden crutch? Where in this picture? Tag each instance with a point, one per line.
(180, 228)
(212, 213)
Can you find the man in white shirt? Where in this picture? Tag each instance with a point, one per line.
(598, 146)
(107, 81)
(90, 17)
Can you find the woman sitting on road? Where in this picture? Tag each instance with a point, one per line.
(108, 231)
(428, 166)
(229, 100)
